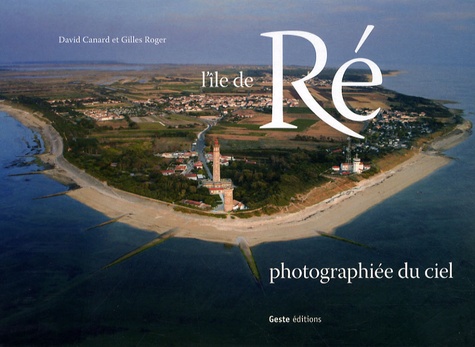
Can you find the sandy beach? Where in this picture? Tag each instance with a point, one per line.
(325, 216)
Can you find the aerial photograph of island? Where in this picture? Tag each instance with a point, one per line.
(193, 173)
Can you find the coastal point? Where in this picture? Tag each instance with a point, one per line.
(237, 173)
(323, 216)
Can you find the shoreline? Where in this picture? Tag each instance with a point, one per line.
(325, 216)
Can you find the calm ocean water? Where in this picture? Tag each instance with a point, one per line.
(190, 292)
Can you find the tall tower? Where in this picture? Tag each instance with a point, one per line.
(348, 151)
(216, 162)
(224, 187)
(228, 200)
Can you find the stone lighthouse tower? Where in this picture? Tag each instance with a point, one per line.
(216, 162)
(224, 187)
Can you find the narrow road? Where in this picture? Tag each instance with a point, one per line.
(200, 146)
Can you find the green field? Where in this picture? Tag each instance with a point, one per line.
(303, 124)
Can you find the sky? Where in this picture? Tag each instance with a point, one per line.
(436, 32)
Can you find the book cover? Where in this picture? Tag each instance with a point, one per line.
(236, 173)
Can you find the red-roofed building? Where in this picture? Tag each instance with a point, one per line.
(198, 165)
(180, 168)
(192, 176)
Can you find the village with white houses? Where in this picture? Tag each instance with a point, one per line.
(202, 102)
(108, 110)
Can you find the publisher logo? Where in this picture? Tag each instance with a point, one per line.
(296, 319)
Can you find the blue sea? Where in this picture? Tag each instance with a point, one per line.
(55, 292)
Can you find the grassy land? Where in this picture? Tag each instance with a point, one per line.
(303, 124)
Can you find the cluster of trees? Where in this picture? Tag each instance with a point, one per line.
(135, 169)
(176, 133)
(406, 103)
(307, 138)
(174, 188)
(277, 176)
(71, 128)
